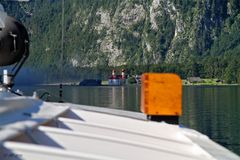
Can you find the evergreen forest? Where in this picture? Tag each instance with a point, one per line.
(193, 38)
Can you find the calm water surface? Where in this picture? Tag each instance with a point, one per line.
(214, 111)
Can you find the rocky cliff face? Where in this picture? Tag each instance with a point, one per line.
(122, 32)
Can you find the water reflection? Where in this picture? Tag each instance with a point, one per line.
(117, 97)
(214, 111)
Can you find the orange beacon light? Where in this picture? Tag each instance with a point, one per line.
(161, 97)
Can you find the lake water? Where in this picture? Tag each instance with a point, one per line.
(212, 110)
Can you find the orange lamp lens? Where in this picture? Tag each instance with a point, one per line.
(161, 94)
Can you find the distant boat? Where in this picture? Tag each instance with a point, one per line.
(91, 82)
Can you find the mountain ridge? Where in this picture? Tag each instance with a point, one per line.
(190, 37)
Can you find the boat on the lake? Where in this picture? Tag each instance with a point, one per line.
(91, 82)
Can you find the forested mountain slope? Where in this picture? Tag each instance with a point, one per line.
(190, 37)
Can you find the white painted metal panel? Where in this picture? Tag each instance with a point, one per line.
(21, 151)
(108, 146)
(20, 113)
(132, 136)
(161, 130)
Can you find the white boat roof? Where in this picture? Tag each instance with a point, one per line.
(31, 129)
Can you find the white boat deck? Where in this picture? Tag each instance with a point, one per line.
(34, 130)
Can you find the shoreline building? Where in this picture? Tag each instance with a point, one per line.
(117, 80)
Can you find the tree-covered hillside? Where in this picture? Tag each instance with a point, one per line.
(189, 37)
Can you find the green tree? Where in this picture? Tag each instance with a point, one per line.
(231, 73)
